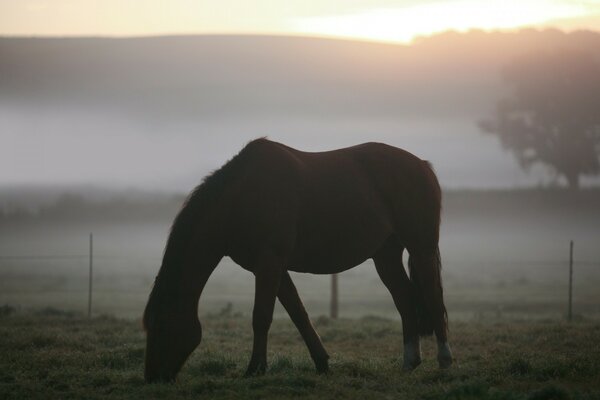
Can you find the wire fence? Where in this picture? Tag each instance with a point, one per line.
(26, 276)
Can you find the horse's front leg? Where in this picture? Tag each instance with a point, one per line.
(267, 280)
(288, 296)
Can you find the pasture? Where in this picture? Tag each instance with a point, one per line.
(505, 279)
(53, 354)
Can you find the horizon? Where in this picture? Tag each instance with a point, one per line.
(414, 42)
(380, 21)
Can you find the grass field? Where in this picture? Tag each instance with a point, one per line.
(52, 354)
(505, 285)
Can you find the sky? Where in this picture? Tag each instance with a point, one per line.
(379, 20)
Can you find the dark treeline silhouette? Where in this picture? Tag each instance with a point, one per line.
(73, 207)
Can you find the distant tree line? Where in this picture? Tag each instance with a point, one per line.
(552, 115)
(75, 207)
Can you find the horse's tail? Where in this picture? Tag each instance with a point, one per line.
(425, 273)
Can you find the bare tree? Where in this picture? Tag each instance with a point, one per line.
(553, 114)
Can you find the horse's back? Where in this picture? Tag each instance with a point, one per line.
(332, 210)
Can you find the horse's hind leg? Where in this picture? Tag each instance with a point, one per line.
(425, 272)
(288, 296)
(388, 262)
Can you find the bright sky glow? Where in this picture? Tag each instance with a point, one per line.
(380, 20)
(405, 23)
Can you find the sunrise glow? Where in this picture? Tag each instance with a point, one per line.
(378, 20)
(403, 24)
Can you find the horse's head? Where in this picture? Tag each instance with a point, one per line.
(171, 336)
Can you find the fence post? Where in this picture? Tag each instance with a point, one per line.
(334, 297)
(570, 313)
(90, 281)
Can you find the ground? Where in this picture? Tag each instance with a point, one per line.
(53, 354)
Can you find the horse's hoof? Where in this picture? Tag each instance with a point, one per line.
(411, 365)
(322, 366)
(255, 370)
(444, 355)
(444, 362)
(412, 355)
(252, 374)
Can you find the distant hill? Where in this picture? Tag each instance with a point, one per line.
(82, 205)
(214, 76)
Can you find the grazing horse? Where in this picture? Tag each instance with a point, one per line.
(274, 209)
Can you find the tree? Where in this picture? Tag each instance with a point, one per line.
(553, 114)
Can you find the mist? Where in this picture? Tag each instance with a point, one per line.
(109, 135)
(168, 110)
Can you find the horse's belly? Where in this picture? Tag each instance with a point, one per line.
(320, 254)
(321, 267)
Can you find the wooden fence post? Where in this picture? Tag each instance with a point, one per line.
(570, 312)
(333, 312)
(91, 274)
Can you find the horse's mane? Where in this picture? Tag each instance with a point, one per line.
(185, 222)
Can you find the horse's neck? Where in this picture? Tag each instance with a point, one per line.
(190, 259)
(197, 266)
(181, 288)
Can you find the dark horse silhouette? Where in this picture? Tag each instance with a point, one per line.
(274, 209)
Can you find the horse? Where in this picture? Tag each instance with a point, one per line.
(274, 209)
